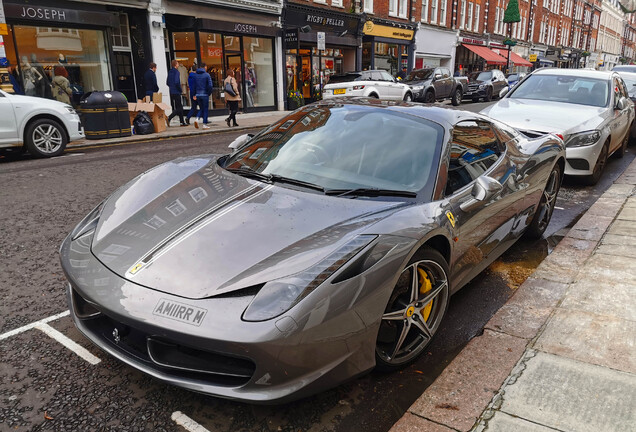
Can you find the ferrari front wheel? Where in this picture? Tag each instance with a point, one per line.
(414, 312)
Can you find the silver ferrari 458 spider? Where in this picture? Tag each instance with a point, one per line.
(326, 245)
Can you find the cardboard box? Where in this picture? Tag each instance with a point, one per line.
(156, 111)
(157, 98)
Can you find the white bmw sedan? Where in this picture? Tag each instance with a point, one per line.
(591, 111)
(42, 126)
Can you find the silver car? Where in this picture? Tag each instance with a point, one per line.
(325, 246)
(591, 111)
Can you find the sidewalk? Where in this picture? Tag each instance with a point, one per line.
(560, 355)
(217, 125)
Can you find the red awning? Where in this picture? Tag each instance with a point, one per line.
(487, 54)
(516, 59)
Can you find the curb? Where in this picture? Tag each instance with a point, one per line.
(466, 394)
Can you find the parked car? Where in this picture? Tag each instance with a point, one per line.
(624, 68)
(629, 78)
(514, 78)
(325, 246)
(436, 84)
(591, 110)
(43, 127)
(373, 83)
(485, 85)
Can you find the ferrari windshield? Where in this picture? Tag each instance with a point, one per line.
(568, 89)
(346, 147)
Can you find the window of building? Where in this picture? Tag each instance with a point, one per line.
(462, 24)
(368, 6)
(497, 20)
(434, 11)
(476, 26)
(259, 72)
(469, 21)
(424, 10)
(442, 12)
(393, 7)
(336, 3)
(474, 149)
(120, 35)
(403, 4)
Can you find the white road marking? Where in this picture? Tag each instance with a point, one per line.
(32, 325)
(68, 343)
(187, 423)
(559, 208)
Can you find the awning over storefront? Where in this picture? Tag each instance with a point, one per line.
(515, 58)
(487, 54)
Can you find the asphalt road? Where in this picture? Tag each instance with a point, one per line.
(44, 385)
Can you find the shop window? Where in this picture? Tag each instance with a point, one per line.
(232, 43)
(259, 72)
(212, 56)
(184, 41)
(62, 63)
(367, 54)
(120, 35)
(474, 149)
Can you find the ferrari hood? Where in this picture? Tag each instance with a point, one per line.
(192, 229)
(545, 116)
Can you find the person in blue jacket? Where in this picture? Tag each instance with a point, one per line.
(174, 84)
(203, 85)
(150, 80)
(194, 111)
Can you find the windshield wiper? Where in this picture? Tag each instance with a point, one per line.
(372, 192)
(271, 178)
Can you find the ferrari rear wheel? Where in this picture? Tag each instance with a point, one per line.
(546, 205)
(415, 310)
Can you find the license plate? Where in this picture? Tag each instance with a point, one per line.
(339, 91)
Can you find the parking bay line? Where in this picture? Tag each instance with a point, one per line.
(43, 326)
(187, 423)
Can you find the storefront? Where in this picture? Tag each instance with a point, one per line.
(388, 45)
(435, 47)
(474, 55)
(307, 68)
(59, 50)
(226, 40)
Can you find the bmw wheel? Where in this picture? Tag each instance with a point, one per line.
(45, 138)
(415, 310)
(544, 211)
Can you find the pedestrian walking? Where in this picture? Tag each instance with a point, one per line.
(174, 84)
(232, 101)
(60, 86)
(203, 86)
(194, 109)
(150, 80)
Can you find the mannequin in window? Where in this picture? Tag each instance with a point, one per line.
(30, 77)
(42, 83)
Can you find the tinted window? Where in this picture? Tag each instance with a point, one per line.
(386, 76)
(420, 74)
(568, 89)
(480, 76)
(474, 149)
(345, 78)
(348, 146)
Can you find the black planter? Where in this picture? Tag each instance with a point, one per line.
(292, 104)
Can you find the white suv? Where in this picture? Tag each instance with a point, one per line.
(42, 126)
(374, 83)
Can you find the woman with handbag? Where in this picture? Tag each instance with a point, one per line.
(232, 97)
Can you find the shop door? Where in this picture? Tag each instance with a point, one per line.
(125, 79)
(305, 77)
(235, 63)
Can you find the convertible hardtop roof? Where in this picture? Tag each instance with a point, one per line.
(441, 114)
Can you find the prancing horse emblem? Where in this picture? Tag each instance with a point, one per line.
(116, 336)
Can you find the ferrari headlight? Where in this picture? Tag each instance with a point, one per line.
(583, 139)
(89, 223)
(280, 295)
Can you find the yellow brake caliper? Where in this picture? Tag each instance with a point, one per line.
(425, 286)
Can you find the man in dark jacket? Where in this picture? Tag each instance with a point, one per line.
(203, 86)
(174, 84)
(150, 80)
(194, 109)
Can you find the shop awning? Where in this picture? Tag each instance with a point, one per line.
(487, 54)
(515, 58)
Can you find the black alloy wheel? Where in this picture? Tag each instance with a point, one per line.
(429, 97)
(599, 167)
(457, 97)
(543, 213)
(414, 312)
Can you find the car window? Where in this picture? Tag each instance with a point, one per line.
(376, 76)
(630, 85)
(345, 78)
(420, 74)
(619, 89)
(445, 73)
(562, 88)
(474, 149)
(480, 76)
(386, 76)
